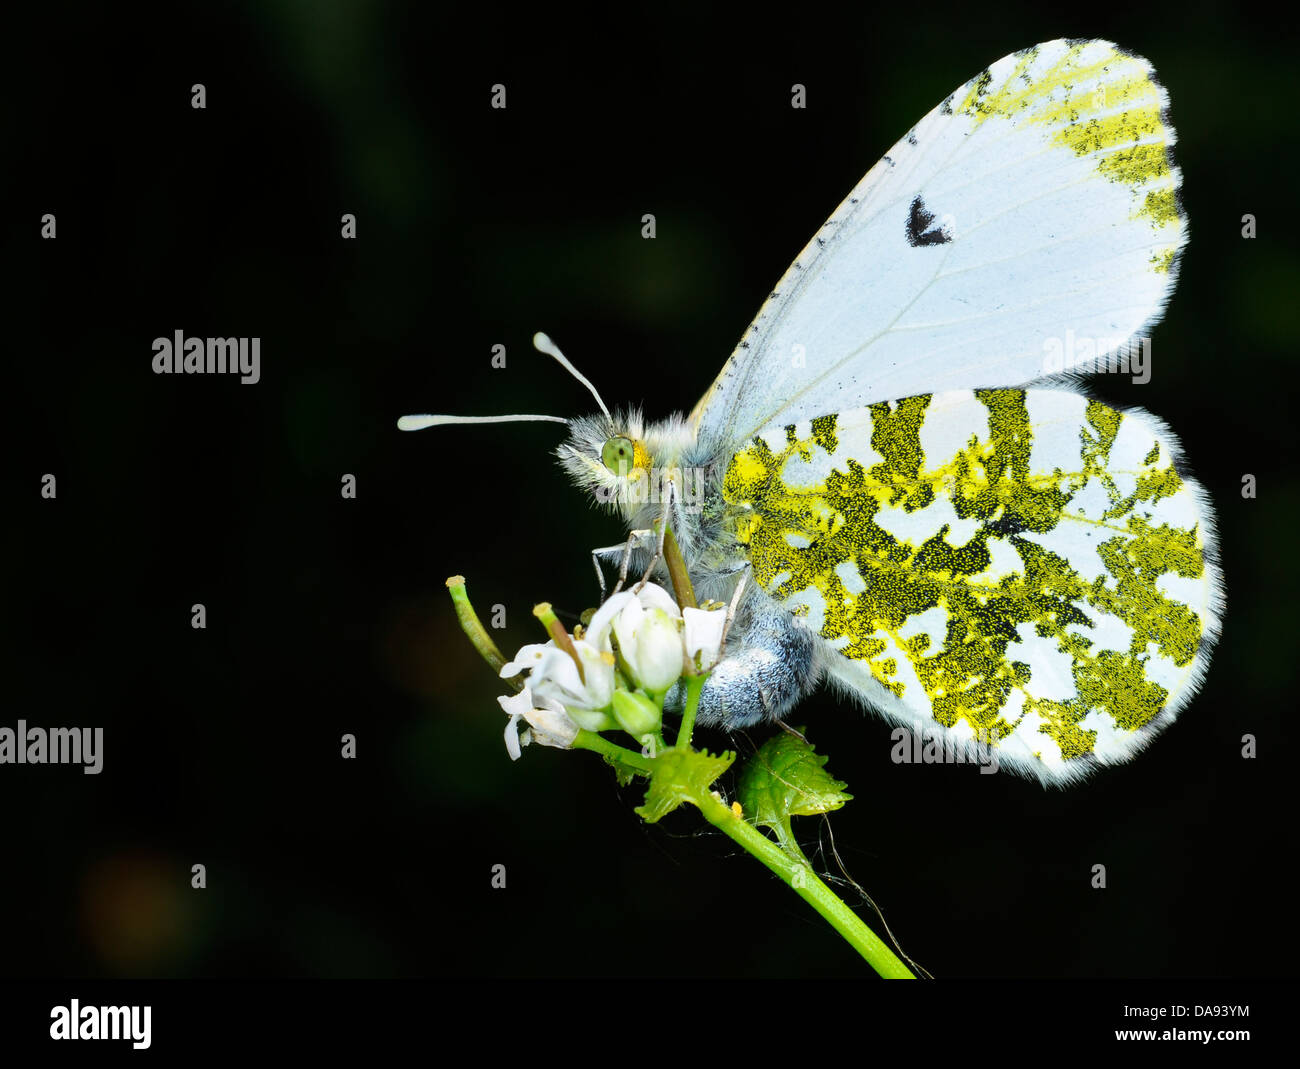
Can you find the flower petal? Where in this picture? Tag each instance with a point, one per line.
(512, 738)
(704, 630)
(597, 630)
(626, 625)
(553, 727)
(598, 671)
(528, 658)
(659, 651)
(520, 704)
(558, 678)
(653, 596)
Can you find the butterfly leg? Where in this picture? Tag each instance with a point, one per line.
(608, 551)
(655, 557)
(791, 731)
(731, 611)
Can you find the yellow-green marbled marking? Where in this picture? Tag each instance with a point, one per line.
(1097, 102)
(996, 490)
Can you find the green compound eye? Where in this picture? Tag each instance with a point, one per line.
(618, 454)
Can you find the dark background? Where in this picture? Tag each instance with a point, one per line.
(327, 616)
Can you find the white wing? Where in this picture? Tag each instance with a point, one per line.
(1029, 224)
(1022, 569)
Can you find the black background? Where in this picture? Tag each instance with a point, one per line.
(326, 616)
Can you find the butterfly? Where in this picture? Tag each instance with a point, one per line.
(897, 479)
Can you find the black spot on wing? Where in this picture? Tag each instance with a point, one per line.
(920, 226)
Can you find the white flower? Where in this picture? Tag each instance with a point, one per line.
(548, 723)
(657, 642)
(704, 630)
(553, 675)
(650, 641)
(647, 624)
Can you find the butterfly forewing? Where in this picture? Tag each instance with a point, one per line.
(1035, 208)
(1023, 567)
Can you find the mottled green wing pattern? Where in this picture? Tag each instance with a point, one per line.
(1026, 568)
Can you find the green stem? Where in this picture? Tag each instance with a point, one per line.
(791, 866)
(794, 871)
(677, 572)
(808, 886)
(694, 684)
(633, 761)
(476, 632)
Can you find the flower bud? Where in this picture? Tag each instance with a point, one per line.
(636, 714)
(592, 719)
(651, 644)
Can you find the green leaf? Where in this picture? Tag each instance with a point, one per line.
(785, 779)
(681, 776)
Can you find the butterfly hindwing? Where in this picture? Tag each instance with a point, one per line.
(1025, 567)
(1035, 206)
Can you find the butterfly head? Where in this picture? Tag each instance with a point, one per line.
(608, 457)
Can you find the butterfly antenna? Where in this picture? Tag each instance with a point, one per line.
(543, 344)
(418, 423)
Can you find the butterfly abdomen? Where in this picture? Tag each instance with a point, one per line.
(770, 665)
